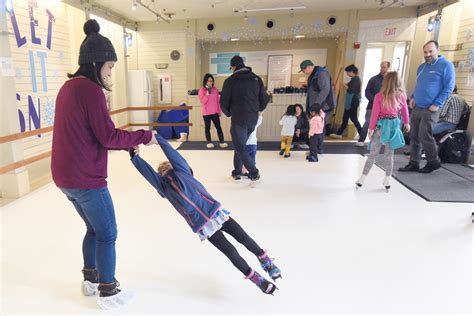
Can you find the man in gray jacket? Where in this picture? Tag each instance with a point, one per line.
(319, 87)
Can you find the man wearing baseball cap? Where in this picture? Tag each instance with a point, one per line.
(319, 87)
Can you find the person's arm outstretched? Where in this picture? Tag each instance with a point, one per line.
(177, 161)
(147, 171)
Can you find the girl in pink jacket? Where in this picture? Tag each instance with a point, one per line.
(211, 110)
(316, 133)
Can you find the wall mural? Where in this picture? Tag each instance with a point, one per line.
(37, 60)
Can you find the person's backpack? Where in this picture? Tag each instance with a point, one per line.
(453, 147)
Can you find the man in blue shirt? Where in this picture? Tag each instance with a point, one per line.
(435, 80)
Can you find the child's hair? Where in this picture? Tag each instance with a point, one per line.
(316, 108)
(290, 110)
(164, 167)
(206, 77)
(352, 68)
(392, 88)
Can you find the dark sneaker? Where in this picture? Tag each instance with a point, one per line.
(282, 152)
(313, 158)
(430, 167)
(237, 177)
(287, 156)
(411, 167)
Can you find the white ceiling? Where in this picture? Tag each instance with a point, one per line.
(198, 9)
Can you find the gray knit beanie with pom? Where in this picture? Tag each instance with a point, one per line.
(95, 48)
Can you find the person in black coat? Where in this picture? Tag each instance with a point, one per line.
(243, 96)
(301, 129)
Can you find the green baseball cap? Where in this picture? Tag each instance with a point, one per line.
(304, 64)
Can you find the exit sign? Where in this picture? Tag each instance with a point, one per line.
(390, 31)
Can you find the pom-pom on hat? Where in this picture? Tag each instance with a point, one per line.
(95, 47)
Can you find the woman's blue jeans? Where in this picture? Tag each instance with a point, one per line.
(98, 247)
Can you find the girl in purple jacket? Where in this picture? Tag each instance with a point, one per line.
(211, 110)
(205, 215)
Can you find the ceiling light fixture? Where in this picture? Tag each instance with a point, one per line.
(134, 5)
(234, 39)
(269, 9)
(299, 36)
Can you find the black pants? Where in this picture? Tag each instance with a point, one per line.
(302, 139)
(316, 145)
(232, 228)
(240, 135)
(351, 114)
(217, 123)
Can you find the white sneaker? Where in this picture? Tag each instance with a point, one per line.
(210, 145)
(303, 146)
(89, 289)
(223, 145)
(115, 301)
(333, 135)
(360, 144)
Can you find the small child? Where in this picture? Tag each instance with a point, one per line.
(205, 215)
(384, 127)
(251, 145)
(316, 133)
(288, 122)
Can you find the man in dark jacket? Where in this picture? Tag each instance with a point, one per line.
(243, 96)
(373, 87)
(319, 87)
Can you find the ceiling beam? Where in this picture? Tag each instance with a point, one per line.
(433, 6)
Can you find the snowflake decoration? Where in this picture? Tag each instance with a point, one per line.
(49, 111)
(18, 74)
(318, 25)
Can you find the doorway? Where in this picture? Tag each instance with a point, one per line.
(395, 52)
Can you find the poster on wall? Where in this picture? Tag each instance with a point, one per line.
(279, 71)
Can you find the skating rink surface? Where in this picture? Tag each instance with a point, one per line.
(340, 250)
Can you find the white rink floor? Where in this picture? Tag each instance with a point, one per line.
(340, 250)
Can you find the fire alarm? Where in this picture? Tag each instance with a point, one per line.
(356, 45)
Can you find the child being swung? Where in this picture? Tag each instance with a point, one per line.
(205, 215)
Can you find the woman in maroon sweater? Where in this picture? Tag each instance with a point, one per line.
(83, 134)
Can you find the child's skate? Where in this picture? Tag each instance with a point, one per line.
(267, 264)
(265, 286)
(386, 183)
(360, 182)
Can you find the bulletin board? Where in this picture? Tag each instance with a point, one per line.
(279, 71)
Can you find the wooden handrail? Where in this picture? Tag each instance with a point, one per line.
(25, 162)
(17, 136)
(44, 130)
(148, 108)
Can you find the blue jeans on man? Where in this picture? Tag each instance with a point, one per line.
(441, 127)
(240, 135)
(98, 247)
